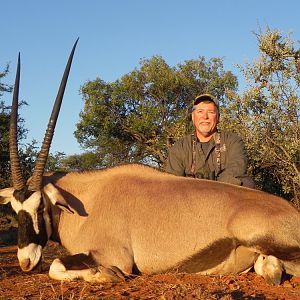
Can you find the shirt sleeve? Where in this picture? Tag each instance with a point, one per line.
(235, 162)
(175, 163)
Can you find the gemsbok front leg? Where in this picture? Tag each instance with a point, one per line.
(84, 266)
(133, 219)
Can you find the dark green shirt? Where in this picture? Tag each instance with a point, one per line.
(233, 158)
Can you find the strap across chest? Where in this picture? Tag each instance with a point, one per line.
(217, 138)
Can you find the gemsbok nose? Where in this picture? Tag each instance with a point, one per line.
(33, 231)
(25, 265)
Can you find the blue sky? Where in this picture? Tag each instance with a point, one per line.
(114, 36)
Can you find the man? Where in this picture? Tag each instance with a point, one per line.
(208, 153)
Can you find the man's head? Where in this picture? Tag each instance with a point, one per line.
(206, 98)
(205, 116)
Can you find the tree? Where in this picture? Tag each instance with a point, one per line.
(28, 152)
(267, 114)
(78, 162)
(55, 161)
(138, 117)
(4, 145)
(4, 131)
(4, 154)
(4, 88)
(4, 125)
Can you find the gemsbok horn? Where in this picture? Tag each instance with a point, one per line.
(133, 219)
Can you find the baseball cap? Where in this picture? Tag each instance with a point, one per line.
(206, 97)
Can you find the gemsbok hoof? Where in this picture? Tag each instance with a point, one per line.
(270, 268)
(134, 219)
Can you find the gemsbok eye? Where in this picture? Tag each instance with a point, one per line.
(135, 219)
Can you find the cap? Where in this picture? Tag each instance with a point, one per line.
(206, 97)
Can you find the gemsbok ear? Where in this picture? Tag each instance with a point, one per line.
(56, 198)
(6, 195)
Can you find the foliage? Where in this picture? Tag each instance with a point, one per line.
(267, 114)
(80, 162)
(138, 117)
(4, 154)
(55, 161)
(3, 86)
(28, 152)
(4, 125)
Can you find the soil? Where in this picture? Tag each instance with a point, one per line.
(14, 284)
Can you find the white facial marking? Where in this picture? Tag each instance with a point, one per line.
(29, 256)
(16, 205)
(52, 193)
(30, 205)
(6, 195)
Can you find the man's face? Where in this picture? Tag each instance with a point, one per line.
(205, 119)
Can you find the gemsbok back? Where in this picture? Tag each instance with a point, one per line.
(133, 219)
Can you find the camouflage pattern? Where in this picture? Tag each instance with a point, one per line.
(233, 164)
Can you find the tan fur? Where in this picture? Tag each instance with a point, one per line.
(135, 218)
(137, 215)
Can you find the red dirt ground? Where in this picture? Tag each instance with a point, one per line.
(14, 284)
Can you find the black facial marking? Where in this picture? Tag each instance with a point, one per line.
(23, 194)
(26, 233)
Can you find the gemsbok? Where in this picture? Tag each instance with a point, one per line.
(134, 219)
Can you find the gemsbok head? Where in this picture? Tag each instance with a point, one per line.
(134, 219)
(27, 197)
